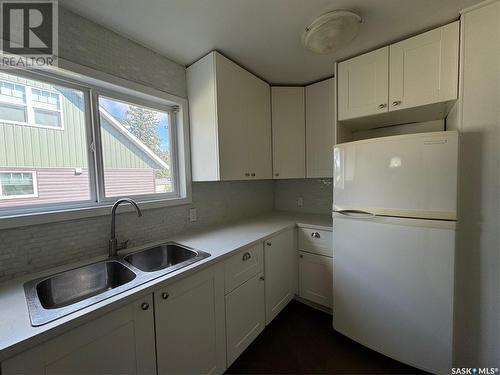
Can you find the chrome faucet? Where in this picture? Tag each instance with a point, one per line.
(113, 248)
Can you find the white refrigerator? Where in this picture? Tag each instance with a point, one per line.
(394, 212)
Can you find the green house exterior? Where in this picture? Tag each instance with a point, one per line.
(59, 154)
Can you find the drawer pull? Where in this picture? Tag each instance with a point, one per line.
(315, 235)
(268, 243)
(246, 256)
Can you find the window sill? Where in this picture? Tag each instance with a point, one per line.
(22, 220)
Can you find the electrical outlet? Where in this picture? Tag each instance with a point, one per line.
(193, 215)
(300, 202)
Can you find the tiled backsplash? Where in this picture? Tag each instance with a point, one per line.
(316, 194)
(87, 43)
(30, 249)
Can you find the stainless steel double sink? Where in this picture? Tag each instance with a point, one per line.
(57, 295)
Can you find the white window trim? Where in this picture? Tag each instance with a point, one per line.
(35, 187)
(72, 74)
(30, 108)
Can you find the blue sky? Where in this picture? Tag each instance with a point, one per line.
(119, 111)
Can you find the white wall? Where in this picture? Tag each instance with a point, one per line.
(477, 117)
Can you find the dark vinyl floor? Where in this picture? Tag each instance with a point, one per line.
(301, 340)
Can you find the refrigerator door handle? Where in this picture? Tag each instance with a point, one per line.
(356, 213)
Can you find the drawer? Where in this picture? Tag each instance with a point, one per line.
(243, 266)
(315, 241)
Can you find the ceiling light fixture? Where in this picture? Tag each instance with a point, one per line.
(331, 31)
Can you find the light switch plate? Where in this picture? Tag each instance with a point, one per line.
(300, 202)
(193, 215)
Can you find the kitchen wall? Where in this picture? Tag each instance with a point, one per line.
(29, 249)
(33, 248)
(477, 117)
(316, 194)
(87, 43)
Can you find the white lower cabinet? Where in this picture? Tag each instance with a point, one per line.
(316, 278)
(281, 270)
(120, 342)
(197, 325)
(190, 324)
(245, 316)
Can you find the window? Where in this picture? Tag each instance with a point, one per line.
(18, 185)
(26, 105)
(13, 102)
(112, 143)
(136, 148)
(57, 161)
(46, 108)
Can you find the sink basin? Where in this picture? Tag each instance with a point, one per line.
(52, 297)
(164, 256)
(78, 284)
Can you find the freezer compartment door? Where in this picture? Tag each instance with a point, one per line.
(409, 175)
(393, 287)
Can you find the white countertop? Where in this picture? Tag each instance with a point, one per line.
(17, 334)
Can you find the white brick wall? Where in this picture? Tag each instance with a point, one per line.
(317, 195)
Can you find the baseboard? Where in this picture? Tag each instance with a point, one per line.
(313, 305)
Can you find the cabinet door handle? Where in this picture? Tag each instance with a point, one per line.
(382, 106)
(247, 174)
(262, 278)
(246, 256)
(301, 256)
(396, 102)
(268, 243)
(315, 235)
(165, 295)
(276, 174)
(253, 174)
(145, 306)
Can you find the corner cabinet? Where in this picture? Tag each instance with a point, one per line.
(120, 342)
(280, 263)
(320, 128)
(230, 121)
(190, 324)
(289, 130)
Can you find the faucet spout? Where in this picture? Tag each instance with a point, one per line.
(112, 241)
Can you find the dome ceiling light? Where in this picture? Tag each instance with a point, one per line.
(331, 31)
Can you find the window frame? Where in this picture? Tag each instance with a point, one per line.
(30, 108)
(35, 186)
(92, 82)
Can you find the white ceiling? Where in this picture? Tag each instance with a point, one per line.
(262, 35)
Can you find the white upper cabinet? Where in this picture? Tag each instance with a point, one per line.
(320, 128)
(424, 69)
(230, 121)
(289, 129)
(363, 85)
(419, 73)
